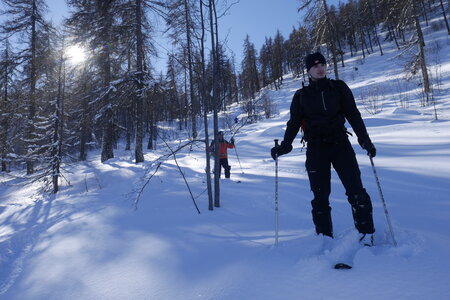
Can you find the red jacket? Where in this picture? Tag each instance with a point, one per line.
(223, 147)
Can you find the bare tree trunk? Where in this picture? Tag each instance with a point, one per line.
(186, 100)
(361, 35)
(370, 41)
(107, 137)
(377, 39)
(32, 104)
(128, 128)
(424, 12)
(215, 106)
(374, 26)
(205, 111)
(150, 145)
(83, 141)
(351, 49)
(341, 53)
(401, 32)
(392, 31)
(138, 153)
(445, 17)
(5, 119)
(108, 122)
(421, 45)
(59, 123)
(151, 125)
(84, 130)
(194, 106)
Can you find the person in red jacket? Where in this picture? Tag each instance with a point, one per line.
(223, 153)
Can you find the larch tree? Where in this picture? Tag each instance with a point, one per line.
(441, 4)
(100, 26)
(24, 19)
(204, 100)
(406, 13)
(213, 27)
(278, 59)
(7, 69)
(181, 23)
(249, 76)
(298, 46)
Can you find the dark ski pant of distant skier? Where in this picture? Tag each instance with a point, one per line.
(226, 167)
(320, 155)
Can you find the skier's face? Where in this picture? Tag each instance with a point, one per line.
(318, 71)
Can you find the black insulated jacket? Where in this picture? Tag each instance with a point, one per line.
(321, 109)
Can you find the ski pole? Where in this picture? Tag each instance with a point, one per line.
(384, 202)
(276, 195)
(235, 149)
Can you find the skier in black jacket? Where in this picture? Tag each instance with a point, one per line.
(320, 110)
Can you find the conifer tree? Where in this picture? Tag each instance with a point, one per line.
(110, 30)
(180, 21)
(265, 62)
(7, 69)
(24, 19)
(298, 46)
(403, 14)
(250, 77)
(278, 60)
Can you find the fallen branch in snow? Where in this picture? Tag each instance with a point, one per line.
(182, 174)
(163, 158)
(136, 201)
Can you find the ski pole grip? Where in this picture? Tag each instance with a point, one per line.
(276, 142)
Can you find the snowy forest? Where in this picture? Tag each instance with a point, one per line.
(55, 110)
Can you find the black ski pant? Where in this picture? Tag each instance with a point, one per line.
(320, 156)
(226, 167)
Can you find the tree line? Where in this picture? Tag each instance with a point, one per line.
(53, 110)
(355, 28)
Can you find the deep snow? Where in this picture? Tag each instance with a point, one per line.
(87, 242)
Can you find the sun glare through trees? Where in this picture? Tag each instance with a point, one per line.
(76, 54)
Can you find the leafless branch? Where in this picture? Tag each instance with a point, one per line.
(163, 158)
(182, 174)
(138, 197)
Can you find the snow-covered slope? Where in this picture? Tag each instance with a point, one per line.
(87, 242)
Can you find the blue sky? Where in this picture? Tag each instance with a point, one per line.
(257, 18)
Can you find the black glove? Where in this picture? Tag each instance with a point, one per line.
(370, 148)
(280, 150)
(232, 141)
